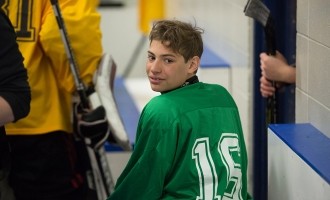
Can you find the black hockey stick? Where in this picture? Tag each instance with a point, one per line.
(258, 11)
(100, 179)
(81, 89)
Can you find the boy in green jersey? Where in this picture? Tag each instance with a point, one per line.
(189, 142)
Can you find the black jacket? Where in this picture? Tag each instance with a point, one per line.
(14, 87)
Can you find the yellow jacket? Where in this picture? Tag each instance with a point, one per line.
(50, 77)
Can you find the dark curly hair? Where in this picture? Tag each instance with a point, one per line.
(183, 38)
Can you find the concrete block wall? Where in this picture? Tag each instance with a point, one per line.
(313, 63)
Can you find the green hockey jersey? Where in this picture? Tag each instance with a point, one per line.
(189, 145)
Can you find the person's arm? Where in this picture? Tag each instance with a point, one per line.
(15, 93)
(82, 22)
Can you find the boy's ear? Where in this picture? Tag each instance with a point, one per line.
(195, 61)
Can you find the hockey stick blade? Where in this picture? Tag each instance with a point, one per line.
(258, 11)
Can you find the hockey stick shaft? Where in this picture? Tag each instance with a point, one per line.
(106, 174)
(102, 177)
(271, 50)
(69, 52)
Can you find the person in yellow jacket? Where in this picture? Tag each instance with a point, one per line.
(43, 157)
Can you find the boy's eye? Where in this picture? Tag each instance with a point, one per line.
(166, 60)
(150, 58)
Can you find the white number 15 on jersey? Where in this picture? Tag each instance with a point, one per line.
(228, 147)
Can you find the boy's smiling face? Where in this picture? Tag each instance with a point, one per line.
(167, 70)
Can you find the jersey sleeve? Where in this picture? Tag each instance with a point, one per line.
(82, 22)
(145, 174)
